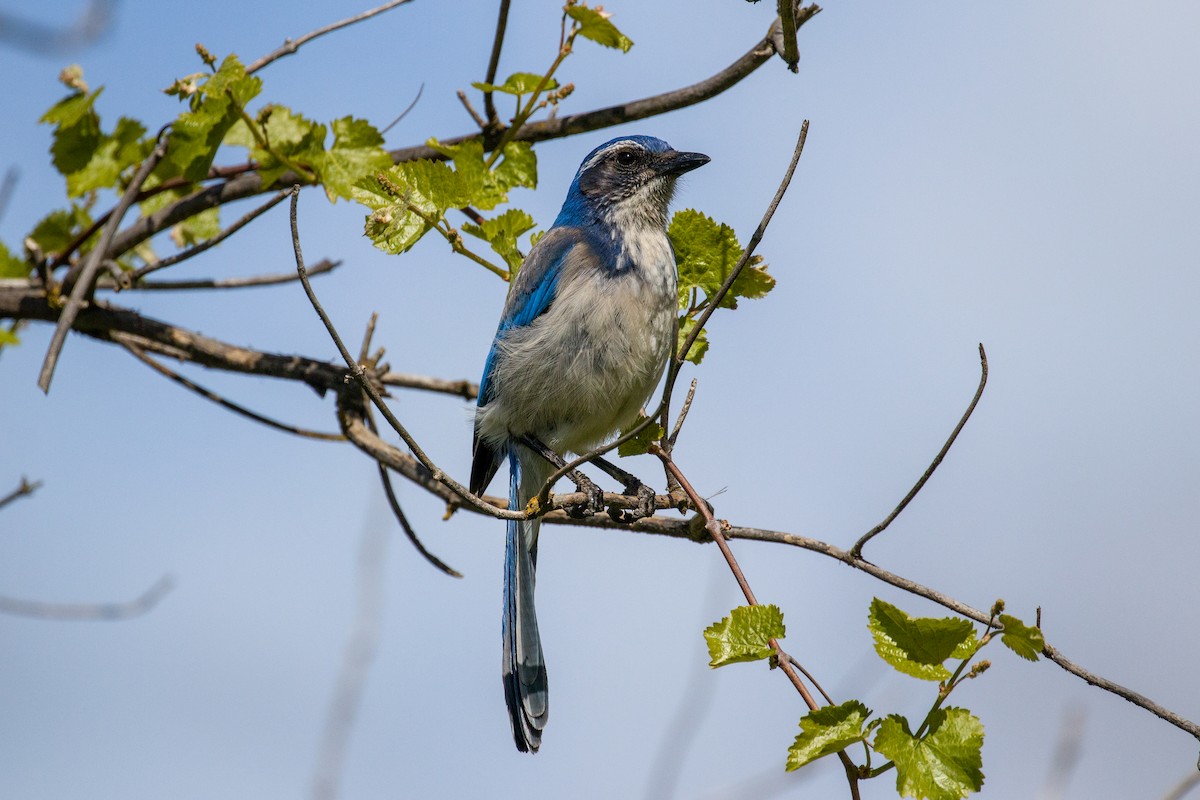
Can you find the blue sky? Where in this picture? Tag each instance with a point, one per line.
(1022, 175)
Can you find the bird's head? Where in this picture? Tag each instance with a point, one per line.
(628, 180)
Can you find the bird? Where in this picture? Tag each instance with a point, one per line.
(584, 335)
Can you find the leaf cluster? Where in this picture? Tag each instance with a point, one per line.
(942, 758)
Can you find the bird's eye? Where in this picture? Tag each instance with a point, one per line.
(625, 158)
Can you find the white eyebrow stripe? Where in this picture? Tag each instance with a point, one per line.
(615, 146)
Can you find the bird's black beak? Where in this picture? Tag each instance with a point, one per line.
(673, 162)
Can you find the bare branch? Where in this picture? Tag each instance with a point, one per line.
(292, 45)
(207, 394)
(787, 27)
(245, 220)
(90, 611)
(25, 488)
(937, 460)
(489, 105)
(420, 90)
(91, 269)
(1181, 789)
(462, 98)
(359, 374)
(320, 268)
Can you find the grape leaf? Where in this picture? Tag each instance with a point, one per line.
(357, 153)
(501, 233)
(917, 646)
(593, 24)
(518, 83)
(115, 152)
(76, 130)
(641, 443)
(706, 252)
(10, 265)
(744, 635)
(196, 228)
(213, 102)
(55, 231)
(695, 353)
(1023, 640)
(946, 764)
(826, 731)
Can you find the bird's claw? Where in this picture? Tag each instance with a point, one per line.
(646, 507)
(593, 504)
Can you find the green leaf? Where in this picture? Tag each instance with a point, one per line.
(594, 25)
(357, 153)
(407, 199)
(55, 231)
(122, 148)
(946, 764)
(76, 130)
(917, 646)
(641, 443)
(196, 228)
(695, 354)
(826, 731)
(213, 102)
(501, 233)
(1025, 641)
(8, 338)
(744, 635)
(10, 265)
(705, 253)
(518, 83)
(518, 167)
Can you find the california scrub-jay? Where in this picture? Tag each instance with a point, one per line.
(585, 334)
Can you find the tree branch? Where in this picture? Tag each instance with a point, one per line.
(24, 489)
(90, 611)
(292, 45)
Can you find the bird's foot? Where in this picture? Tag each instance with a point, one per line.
(595, 498)
(647, 504)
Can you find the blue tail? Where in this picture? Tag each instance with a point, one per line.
(524, 669)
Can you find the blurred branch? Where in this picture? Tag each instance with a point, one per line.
(45, 39)
(1181, 789)
(25, 488)
(290, 46)
(90, 611)
(357, 657)
(1066, 755)
(7, 186)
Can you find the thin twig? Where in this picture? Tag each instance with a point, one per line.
(250, 282)
(683, 412)
(207, 394)
(937, 460)
(787, 24)
(91, 268)
(388, 489)
(169, 261)
(676, 362)
(90, 611)
(489, 105)
(25, 488)
(420, 90)
(462, 98)
(359, 375)
(785, 662)
(292, 45)
(44, 40)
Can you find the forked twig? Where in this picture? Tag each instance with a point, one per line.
(292, 45)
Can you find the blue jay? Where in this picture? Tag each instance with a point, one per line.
(583, 339)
